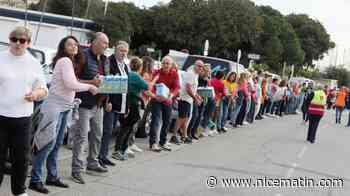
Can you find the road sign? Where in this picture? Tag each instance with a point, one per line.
(206, 47)
(150, 50)
(254, 56)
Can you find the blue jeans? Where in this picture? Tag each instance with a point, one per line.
(160, 113)
(109, 120)
(208, 111)
(269, 106)
(249, 104)
(223, 113)
(235, 112)
(50, 153)
(338, 114)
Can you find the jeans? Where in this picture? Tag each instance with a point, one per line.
(15, 135)
(269, 106)
(314, 121)
(109, 121)
(208, 111)
(248, 107)
(235, 112)
(50, 153)
(87, 132)
(242, 113)
(338, 114)
(223, 113)
(160, 112)
(195, 119)
(251, 112)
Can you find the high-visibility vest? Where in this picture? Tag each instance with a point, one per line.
(320, 98)
(317, 105)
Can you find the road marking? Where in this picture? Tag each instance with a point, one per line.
(302, 152)
(326, 126)
(291, 170)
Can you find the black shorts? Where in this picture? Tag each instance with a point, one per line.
(184, 109)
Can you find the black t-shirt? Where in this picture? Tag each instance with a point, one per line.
(202, 81)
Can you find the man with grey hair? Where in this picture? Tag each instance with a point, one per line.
(88, 129)
(116, 102)
(161, 106)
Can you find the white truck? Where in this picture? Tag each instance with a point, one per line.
(51, 30)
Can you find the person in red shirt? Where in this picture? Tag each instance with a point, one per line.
(161, 106)
(220, 94)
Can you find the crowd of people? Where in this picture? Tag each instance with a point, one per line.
(200, 102)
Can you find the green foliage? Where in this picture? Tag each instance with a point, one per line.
(261, 67)
(314, 39)
(338, 73)
(229, 25)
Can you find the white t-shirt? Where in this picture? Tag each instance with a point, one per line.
(18, 76)
(190, 78)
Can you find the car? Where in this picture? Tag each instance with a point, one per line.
(185, 60)
(44, 56)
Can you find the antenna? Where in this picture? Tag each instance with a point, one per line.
(72, 25)
(26, 14)
(41, 20)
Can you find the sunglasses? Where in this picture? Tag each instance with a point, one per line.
(15, 40)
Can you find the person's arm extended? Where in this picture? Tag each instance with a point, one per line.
(69, 79)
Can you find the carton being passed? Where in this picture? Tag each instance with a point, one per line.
(114, 85)
(162, 90)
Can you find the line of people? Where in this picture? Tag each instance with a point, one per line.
(194, 103)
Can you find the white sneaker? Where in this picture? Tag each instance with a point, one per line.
(211, 133)
(205, 134)
(23, 194)
(245, 123)
(168, 144)
(135, 148)
(129, 151)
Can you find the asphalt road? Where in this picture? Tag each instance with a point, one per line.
(272, 150)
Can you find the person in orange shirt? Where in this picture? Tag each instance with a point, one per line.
(340, 104)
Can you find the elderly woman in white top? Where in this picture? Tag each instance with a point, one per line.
(49, 136)
(21, 82)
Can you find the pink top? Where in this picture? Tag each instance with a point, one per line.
(244, 89)
(64, 82)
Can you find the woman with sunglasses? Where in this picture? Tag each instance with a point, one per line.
(21, 83)
(55, 109)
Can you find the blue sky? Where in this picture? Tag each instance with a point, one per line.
(333, 14)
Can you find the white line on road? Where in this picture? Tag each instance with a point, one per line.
(302, 152)
(291, 170)
(326, 126)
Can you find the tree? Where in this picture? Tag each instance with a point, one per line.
(121, 21)
(315, 41)
(339, 73)
(64, 7)
(278, 42)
